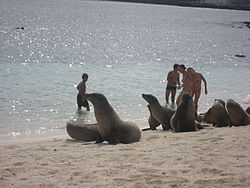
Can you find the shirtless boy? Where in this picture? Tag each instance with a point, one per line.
(81, 101)
(173, 79)
(196, 85)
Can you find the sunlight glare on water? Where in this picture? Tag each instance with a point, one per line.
(127, 49)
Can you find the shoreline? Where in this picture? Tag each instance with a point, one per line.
(212, 157)
(50, 133)
(189, 4)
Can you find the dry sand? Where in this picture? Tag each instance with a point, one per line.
(212, 157)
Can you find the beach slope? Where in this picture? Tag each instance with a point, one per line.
(212, 157)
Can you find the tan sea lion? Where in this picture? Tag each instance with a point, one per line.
(217, 114)
(158, 112)
(153, 123)
(184, 117)
(238, 116)
(110, 126)
(80, 131)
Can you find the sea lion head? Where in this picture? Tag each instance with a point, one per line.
(232, 106)
(220, 101)
(186, 98)
(97, 99)
(150, 98)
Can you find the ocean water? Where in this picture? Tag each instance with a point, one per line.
(126, 48)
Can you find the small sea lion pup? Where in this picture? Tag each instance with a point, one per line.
(153, 123)
(84, 132)
(110, 126)
(238, 116)
(217, 114)
(183, 119)
(158, 113)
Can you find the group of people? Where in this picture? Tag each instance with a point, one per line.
(191, 84)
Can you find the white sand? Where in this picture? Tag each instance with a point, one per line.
(212, 157)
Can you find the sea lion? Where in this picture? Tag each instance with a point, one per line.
(184, 117)
(153, 123)
(248, 110)
(110, 126)
(220, 101)
(158, 112)
(80, 131)
(217, 114)
(238, 116)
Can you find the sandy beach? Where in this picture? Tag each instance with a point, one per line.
(212, 157)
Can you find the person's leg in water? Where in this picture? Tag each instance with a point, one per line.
(79, 101)
(86, 104)
(196, 95)
(173, 93)
(167, 94)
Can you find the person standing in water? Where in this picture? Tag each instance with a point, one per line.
(196, 85)
(187, 83)
(173, 79)
(81, 101)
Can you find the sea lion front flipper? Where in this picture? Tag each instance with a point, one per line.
(99, 139)
(198, 125)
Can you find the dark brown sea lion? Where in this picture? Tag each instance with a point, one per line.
(184, 117)
(217, 114)
(80, 131)
(248, 110)
(110, 126)
(158, 112)
(238, 116)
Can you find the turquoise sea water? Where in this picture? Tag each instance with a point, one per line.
(127, 49)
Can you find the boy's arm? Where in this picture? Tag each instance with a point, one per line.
(168, 77)
(205, 83)
(178, 81)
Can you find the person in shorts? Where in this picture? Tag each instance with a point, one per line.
(81, 101)
(173, 79)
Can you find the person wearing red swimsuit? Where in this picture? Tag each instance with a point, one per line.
(196, 85)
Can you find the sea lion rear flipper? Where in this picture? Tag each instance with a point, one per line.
(146, 129)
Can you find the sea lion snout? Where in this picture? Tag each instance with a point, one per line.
(150, 98)
(95, 98)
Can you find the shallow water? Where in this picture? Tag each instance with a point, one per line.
(127, 49)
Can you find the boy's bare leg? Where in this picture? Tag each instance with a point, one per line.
(173, 92)
(167, 95)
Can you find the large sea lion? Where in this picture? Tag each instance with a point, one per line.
(110, 126)
(158, 112)
(184, 117)
(217, 114)
(80, 131)
(238, 116)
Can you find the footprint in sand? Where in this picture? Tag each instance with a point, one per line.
(152, 137)
(212, 139)
(210, 171)
(126, 149)
(19, 163)
(77, 173)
